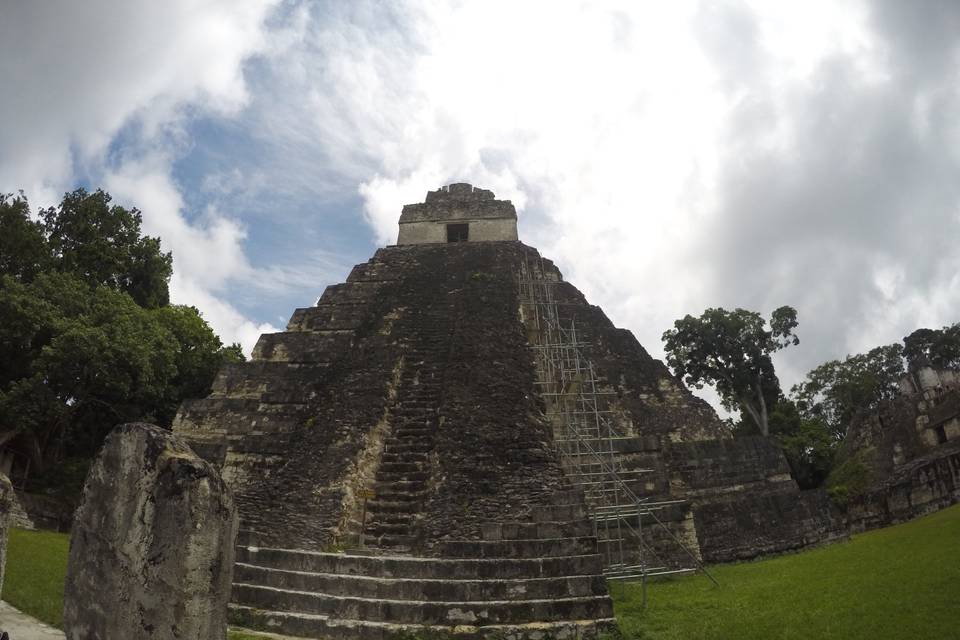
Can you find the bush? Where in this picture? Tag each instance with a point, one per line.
(849, 479)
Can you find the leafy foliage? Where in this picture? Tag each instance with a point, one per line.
(848, 479)
(102, 244)
(731, 350)
(23, 248)
(837, 390)
(87, 338)
(805, 442)
(939, 348)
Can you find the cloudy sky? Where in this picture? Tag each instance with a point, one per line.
(669, 156)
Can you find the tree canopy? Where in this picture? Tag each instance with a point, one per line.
(87, 336)
(731, 350)
(23, 248)
(940, 348)
(102, 244)
(806, 443)
(836, 391)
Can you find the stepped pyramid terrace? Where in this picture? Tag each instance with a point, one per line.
(455, 441)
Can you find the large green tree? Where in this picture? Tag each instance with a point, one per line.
(938, 347)
(731, 350)
(834, 392)
(87, 337)
(806, 443)
(23, 248)
(102, 244)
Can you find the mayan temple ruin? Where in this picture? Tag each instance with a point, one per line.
(455, 441)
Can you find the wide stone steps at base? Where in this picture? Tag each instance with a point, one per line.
(421, 568)
(319, 626)
(421, 589)
(359, 596)
(520, 548)
(397, 501)
(540, 530)
(422, 612)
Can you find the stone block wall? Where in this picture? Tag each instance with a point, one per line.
(489, 219)
(494, 452)
(753, 524)
(907, 450)
(922, 486)
(705, 469)
(46, 512)
(480, 230)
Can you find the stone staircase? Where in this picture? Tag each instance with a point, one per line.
(403, 476)
(522, 580)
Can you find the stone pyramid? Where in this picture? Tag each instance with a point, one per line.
(399, 467)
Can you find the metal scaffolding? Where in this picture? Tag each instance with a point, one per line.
(586, 438)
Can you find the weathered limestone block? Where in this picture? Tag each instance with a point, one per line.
(19, 518)
(7, 501)
(151, 551)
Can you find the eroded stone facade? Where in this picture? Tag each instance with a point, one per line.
(458, 213)
(907, 452)
(296, 429)
(403, 412)
(299, 430)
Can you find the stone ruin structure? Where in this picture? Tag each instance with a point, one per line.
(458, 213)
(151, 551)
(907, 453)
(7, 520)
(415, 453)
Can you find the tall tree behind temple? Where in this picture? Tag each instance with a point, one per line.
(731, 350)
(87, 336)
(939, 348)
(837, 390)
(23, 249)
(102, 244)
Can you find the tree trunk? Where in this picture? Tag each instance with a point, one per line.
(764, 423)
(753, 413)
(35, 451)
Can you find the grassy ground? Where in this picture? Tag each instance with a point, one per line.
(36, 568)
(898, 582)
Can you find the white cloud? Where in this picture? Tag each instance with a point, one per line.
(207, 255)
(209, 251)
(668, 156)
(231, 325)
(78, 75)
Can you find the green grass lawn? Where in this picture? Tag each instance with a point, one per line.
(898, 582)
(36, 568)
